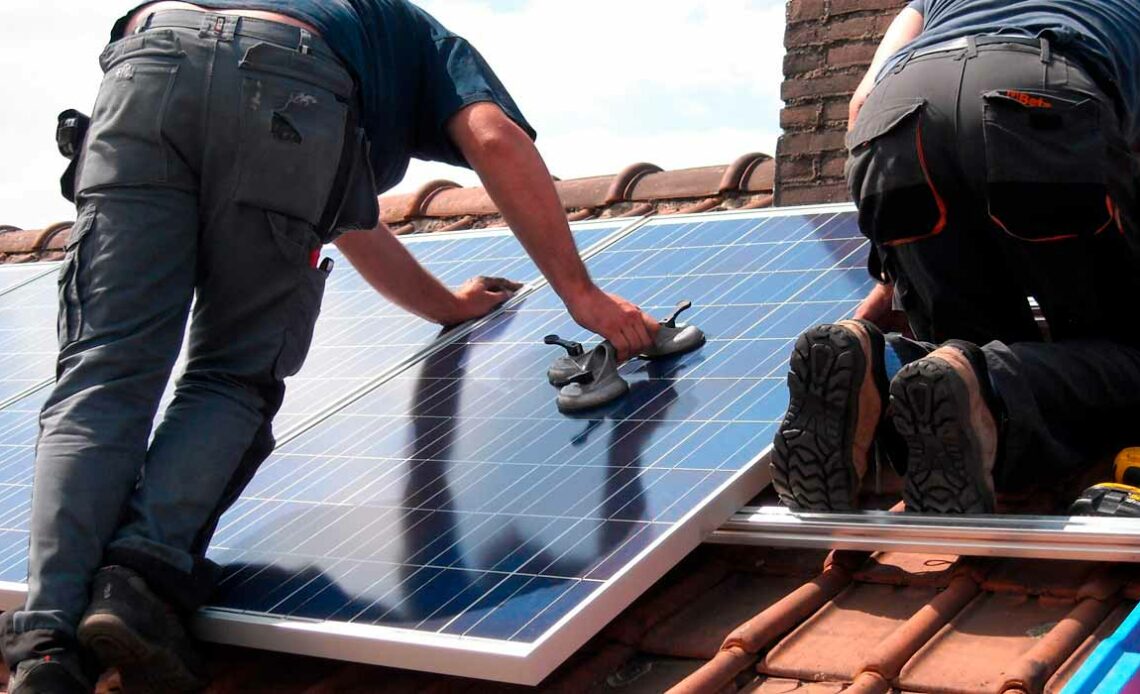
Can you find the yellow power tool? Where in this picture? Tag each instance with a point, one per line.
(1119, 499)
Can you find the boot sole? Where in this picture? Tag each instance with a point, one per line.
(143, 667)
(930, 410)
(812, 469)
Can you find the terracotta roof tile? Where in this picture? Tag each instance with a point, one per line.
(986, 639)
(439, 205)
(834, 642)
(1073, 664)
(698, 629)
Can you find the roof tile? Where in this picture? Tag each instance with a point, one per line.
(834, 642)
(698, 630)
(1002, 626)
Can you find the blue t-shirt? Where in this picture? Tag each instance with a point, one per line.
(412, 73)
(1103, 35)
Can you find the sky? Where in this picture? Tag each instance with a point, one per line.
(606, 83)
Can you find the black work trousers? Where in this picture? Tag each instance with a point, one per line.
(987, 173)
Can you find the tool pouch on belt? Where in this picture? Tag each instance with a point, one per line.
(70, 132)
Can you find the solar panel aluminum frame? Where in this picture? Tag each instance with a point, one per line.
(518, 663)
(1080, 538)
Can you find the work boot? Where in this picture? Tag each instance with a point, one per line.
(943, 408)
(130, 628)
(61, 673)
(838, 387)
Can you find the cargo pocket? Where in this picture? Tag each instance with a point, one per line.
(1046, 158)
(888, 176)
(297, 240)
(292, 133)
(70, 321)
(125, 143)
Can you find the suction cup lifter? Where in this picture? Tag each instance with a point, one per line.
(566, 366)
(590, 379)
(673, 338)
(671, 321)
(575, 349)
(597, 384)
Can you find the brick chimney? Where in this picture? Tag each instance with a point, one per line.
(830, 44)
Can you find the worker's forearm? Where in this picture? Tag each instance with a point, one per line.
(905, 28)
(391, 269)
(517, 179)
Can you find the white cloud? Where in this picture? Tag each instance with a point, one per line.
(606, 82)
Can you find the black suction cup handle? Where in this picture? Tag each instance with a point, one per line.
(671, 321)
(574, 348)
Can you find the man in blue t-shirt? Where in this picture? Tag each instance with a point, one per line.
(992, 161)
(229, 142)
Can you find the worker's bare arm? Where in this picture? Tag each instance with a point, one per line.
(388, 266)
(905, 28)
(517, 179)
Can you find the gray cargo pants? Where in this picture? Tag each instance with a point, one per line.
(204, 179)
(989, 171)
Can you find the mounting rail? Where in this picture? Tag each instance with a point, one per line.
(1037, 537)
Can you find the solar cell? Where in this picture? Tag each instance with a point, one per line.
(451, 510)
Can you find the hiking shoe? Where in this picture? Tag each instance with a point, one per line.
(130, 628)
(50, 674)
(943, 408)
(838, 386)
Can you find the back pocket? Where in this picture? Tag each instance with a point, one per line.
(292, 135)
(1046, 158)
(125, 142)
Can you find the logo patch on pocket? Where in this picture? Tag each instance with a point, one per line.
(1028, 100)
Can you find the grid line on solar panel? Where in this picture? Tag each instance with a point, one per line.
(411, 421)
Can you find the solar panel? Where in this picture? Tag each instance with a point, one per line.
(450, 519)
(28, 342)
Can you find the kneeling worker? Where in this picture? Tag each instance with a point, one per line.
(992, 160)
(230, 141)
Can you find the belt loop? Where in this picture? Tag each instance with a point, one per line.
(971, 47)
(231, 27)
(1046, 51)
(305, 44)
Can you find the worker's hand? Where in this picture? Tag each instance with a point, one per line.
(878, 308)
(479, 296)
(628, 328)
